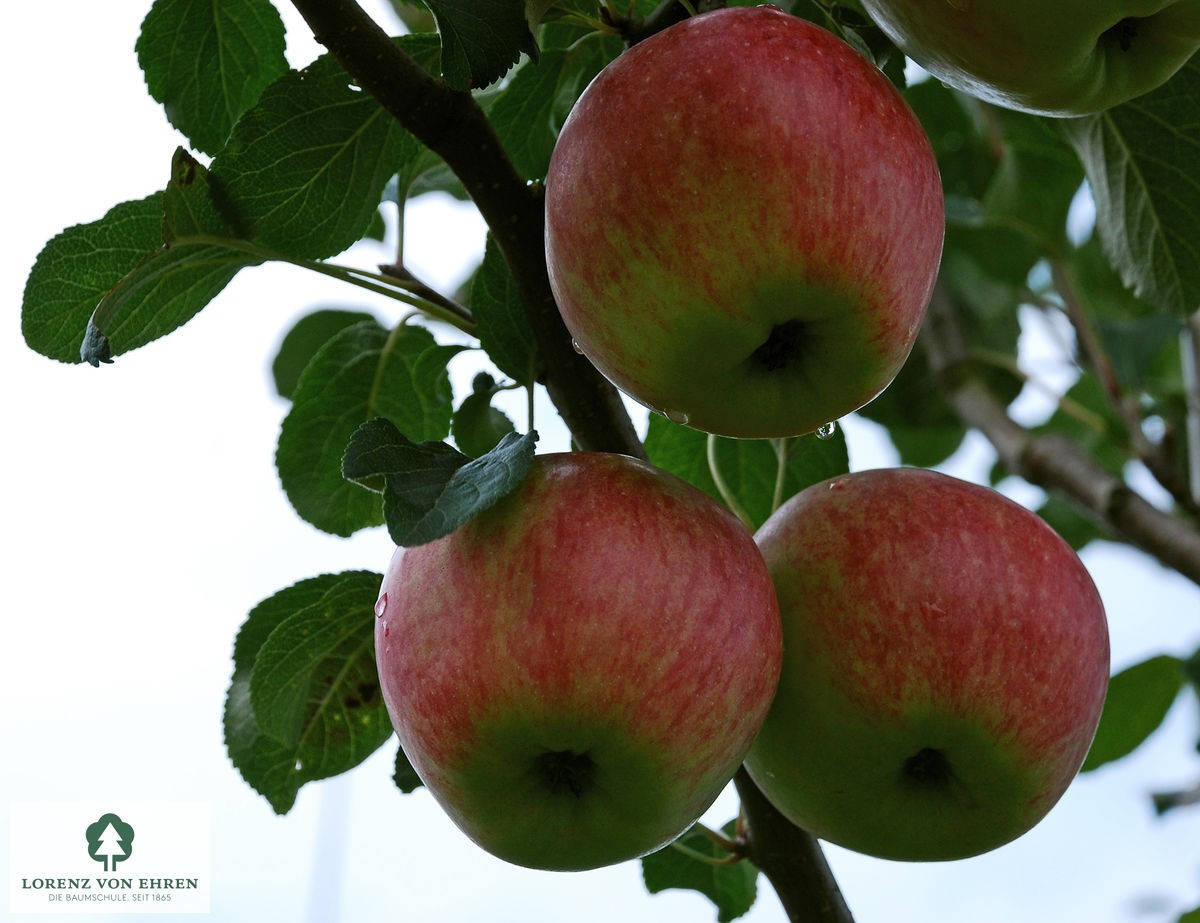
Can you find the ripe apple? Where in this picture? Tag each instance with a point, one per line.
(945, 662)
(744, 221)
(576, 673)
(1063, 58)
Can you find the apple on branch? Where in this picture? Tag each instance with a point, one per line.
(1062, 58)
(946, 659)
(577, 672)
(744, 222)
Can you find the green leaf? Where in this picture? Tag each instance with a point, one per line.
(304, 702)
(924, 428)
(208, 62)
(429, 488)
(481, 39)
(361, 373)
(530, 110)
(500, 319)
(1035, 181)
(732, 888)
(1140, 159)
(78, 267)
(198, 258)
(404, 775)
(477, 426)
(1138, 700)
(1192, 916)
(749, 467)
(1134, 333)
(305, 169)
(305, 340)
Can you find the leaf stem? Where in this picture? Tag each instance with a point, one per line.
(781, 454)
(714, 468)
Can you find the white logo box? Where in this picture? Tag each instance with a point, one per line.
(162, 868)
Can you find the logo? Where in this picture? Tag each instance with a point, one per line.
(78, 858)
(110, 840)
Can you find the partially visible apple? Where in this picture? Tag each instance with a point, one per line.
(744, 222)
(945, 662)
(1060, 58)
(577, 672)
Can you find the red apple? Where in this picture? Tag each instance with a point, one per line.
(743, 224)
(576, 673)
(945, 662)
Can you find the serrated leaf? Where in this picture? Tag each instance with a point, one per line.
(77, 267)
(305, 340)
(361, 373)
(1139, 698)
(500, 319)
(1140, 159)
(732, 888)
(481, 39)
(208, 62)
(342, 721)
(304, 170)
(749, 467)
(430, 489)
(477, 426)
(404, 775)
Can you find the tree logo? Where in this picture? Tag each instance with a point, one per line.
(110, 840)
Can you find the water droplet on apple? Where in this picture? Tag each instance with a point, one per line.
(934, 610)
(575, 346)
(677, 416)
(826, 430)
(386, 628)
(381, 606)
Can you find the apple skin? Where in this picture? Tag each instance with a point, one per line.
(1060, 58)
(744, 222)
(577, 673)
(946, 659)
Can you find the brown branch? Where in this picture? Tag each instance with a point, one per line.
(1051, 461)
(451, 124)
(791, 859)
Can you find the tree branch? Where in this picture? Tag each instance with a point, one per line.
(1051, 461)
(451, 124)
(791, 859)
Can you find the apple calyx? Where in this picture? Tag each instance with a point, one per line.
(783, 346)
(565, 771)
(928, 768)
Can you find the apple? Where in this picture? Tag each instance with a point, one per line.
(577, 672)
(945, 662)
(1063, 58)
(744, 221)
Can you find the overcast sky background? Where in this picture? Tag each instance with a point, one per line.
(143, 519)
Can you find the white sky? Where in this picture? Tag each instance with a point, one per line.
(144, 519)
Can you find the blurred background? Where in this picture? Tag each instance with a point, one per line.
(143, 519)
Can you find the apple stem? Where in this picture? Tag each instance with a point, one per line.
(722, 487)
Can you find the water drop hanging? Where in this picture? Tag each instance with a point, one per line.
(827, 430)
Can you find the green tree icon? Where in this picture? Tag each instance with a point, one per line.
(110, 840)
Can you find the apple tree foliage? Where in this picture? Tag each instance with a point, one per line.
(295, 166)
